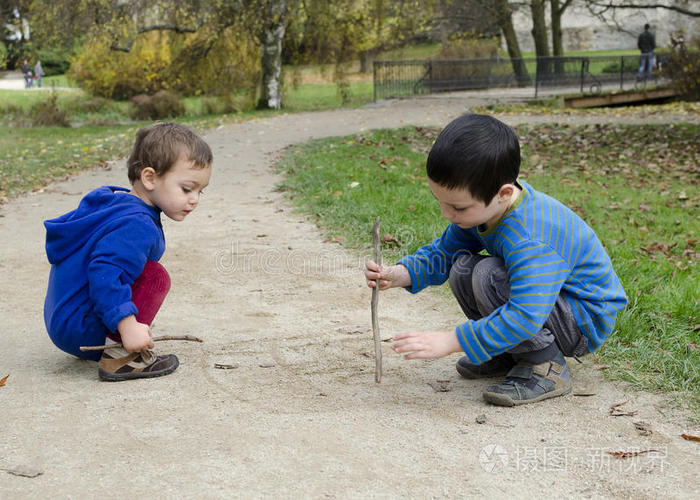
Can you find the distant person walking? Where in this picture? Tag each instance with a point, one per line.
(38, 73)
(27, 72)
(646, 44)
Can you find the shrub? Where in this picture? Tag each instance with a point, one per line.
(195, 64)
(3, 55)
(163, 104)
(682, 66)
(468, 47)
(46, 113)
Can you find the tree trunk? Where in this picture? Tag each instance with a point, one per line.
(556, 14)
(505, 22)
(271, 51)
(539, 35)
(557, 11)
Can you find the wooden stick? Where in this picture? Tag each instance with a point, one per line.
(154, 339)
(375, 301)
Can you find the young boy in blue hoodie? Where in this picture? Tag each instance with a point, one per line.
(106, 284)
(546, 289)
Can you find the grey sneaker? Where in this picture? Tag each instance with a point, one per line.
(497, 366)
(528, 383)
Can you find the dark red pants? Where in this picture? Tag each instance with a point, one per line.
(148, 293)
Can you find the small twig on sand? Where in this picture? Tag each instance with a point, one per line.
(154, 339)
(375, 301)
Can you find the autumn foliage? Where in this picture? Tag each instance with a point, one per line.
(188, 65)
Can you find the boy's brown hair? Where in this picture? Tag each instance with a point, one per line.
(160, 145)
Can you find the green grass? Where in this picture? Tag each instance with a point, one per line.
(635, 185)
(32, 157)
(311, 97)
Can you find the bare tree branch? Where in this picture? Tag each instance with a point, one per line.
(612, 5)
(157, 27)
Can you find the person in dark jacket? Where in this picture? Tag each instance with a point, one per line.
(105, 284)
(27, 73)
(646, 44)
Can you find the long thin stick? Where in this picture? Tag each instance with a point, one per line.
(154, 339)
(375, 301)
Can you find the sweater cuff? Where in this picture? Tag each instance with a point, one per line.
(414, 287)
(112, 318)
(462, 331)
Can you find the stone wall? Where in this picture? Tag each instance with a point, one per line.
(583, 31)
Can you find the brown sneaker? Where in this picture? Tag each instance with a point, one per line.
(116, 364)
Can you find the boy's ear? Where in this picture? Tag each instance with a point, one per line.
(506, 192)
(148, 178)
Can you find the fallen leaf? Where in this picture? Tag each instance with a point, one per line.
(643, 428)
(261, 236)
(615, 410)
(267, 365)
(441, 385)
(387, 238)
(682, 196)
(221, 366)
(629, 454)
(481, 419)
(688, 437)
(3, 380)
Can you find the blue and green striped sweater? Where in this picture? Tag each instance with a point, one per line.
(547, 250)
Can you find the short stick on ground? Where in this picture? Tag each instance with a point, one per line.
(155, 339)
(375, 301)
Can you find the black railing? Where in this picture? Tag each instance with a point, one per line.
(588, 75)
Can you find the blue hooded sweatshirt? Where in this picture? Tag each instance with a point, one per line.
(96, 253)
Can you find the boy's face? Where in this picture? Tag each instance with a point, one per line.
(177, 191)
(461, 209)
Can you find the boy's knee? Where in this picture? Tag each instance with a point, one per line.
(462, 270)
(490, 272)
(156, 275)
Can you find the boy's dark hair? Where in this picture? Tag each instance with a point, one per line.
(477, 153)
(646, 27)
(160, 145)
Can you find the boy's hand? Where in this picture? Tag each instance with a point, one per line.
(388, 276)
(426, 345)
(135, 336)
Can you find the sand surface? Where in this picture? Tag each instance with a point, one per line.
(300, 414)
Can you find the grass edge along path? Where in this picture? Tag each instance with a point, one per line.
(637, 200)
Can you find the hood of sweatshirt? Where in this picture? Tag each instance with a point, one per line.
(67, 233)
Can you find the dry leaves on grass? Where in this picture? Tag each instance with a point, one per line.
(688, 437)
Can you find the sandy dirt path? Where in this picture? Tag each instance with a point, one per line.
(301, 414)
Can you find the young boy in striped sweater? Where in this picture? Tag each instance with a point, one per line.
(545, 290)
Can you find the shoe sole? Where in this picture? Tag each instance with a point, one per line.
(120, 377)
(468, 374)
(499, 399)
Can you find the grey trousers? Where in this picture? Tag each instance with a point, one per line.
(480, 284)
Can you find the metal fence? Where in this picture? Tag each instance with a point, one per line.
(588, 75)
